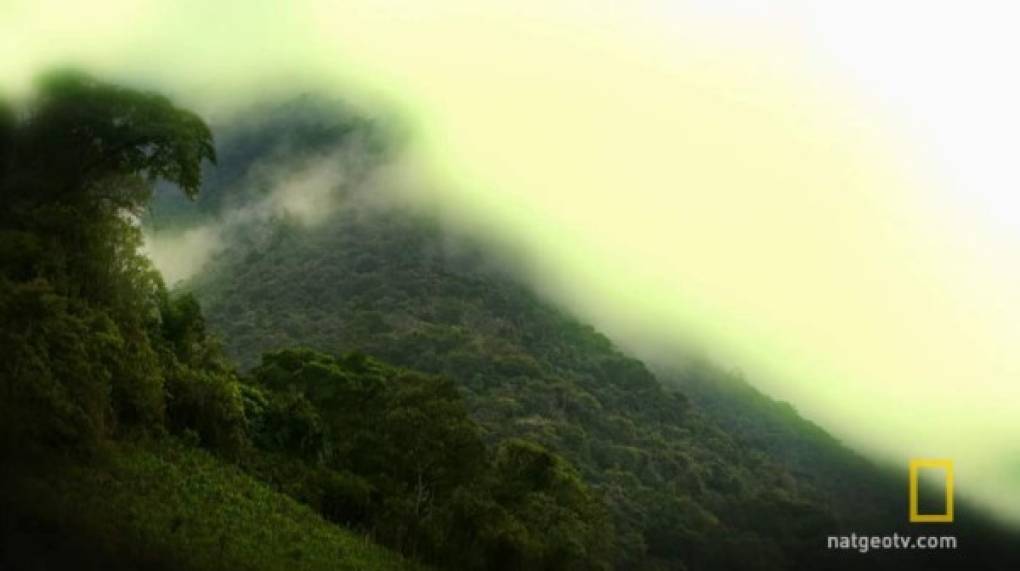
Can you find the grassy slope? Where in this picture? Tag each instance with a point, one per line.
(170, 506)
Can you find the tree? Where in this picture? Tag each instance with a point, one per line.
(567, 526)
(79, 134)
(81, 161)
(77, 165)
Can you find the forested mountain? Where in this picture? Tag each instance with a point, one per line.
(122, 425)
(343, 385)
(696, 469)
(129, 440)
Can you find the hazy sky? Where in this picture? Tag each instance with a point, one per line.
(822, 194)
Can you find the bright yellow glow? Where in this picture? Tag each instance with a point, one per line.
(676, 172)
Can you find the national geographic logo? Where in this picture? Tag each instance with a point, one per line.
(919, 464)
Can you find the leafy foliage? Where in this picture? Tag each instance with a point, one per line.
(81, 305)
(394, 451)
(81, 134)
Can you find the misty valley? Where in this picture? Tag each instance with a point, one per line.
(232, 346)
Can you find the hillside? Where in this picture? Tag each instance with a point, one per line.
(165, 505)
(525, 370)
(689, 482)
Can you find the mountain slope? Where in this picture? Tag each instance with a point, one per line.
(689, 484)
(380, 283)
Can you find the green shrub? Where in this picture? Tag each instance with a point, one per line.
(209, 403)
(55, 384)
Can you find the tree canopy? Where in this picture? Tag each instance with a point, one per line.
(81, 304)
(79, 135)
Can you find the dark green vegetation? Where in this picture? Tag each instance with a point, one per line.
(101, 364)
(111, 385)
(394, 451)
(163, 505)
(439, 415)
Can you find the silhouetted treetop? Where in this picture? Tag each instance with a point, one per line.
(82, 137)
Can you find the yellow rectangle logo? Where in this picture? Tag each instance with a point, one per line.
(915, 466)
